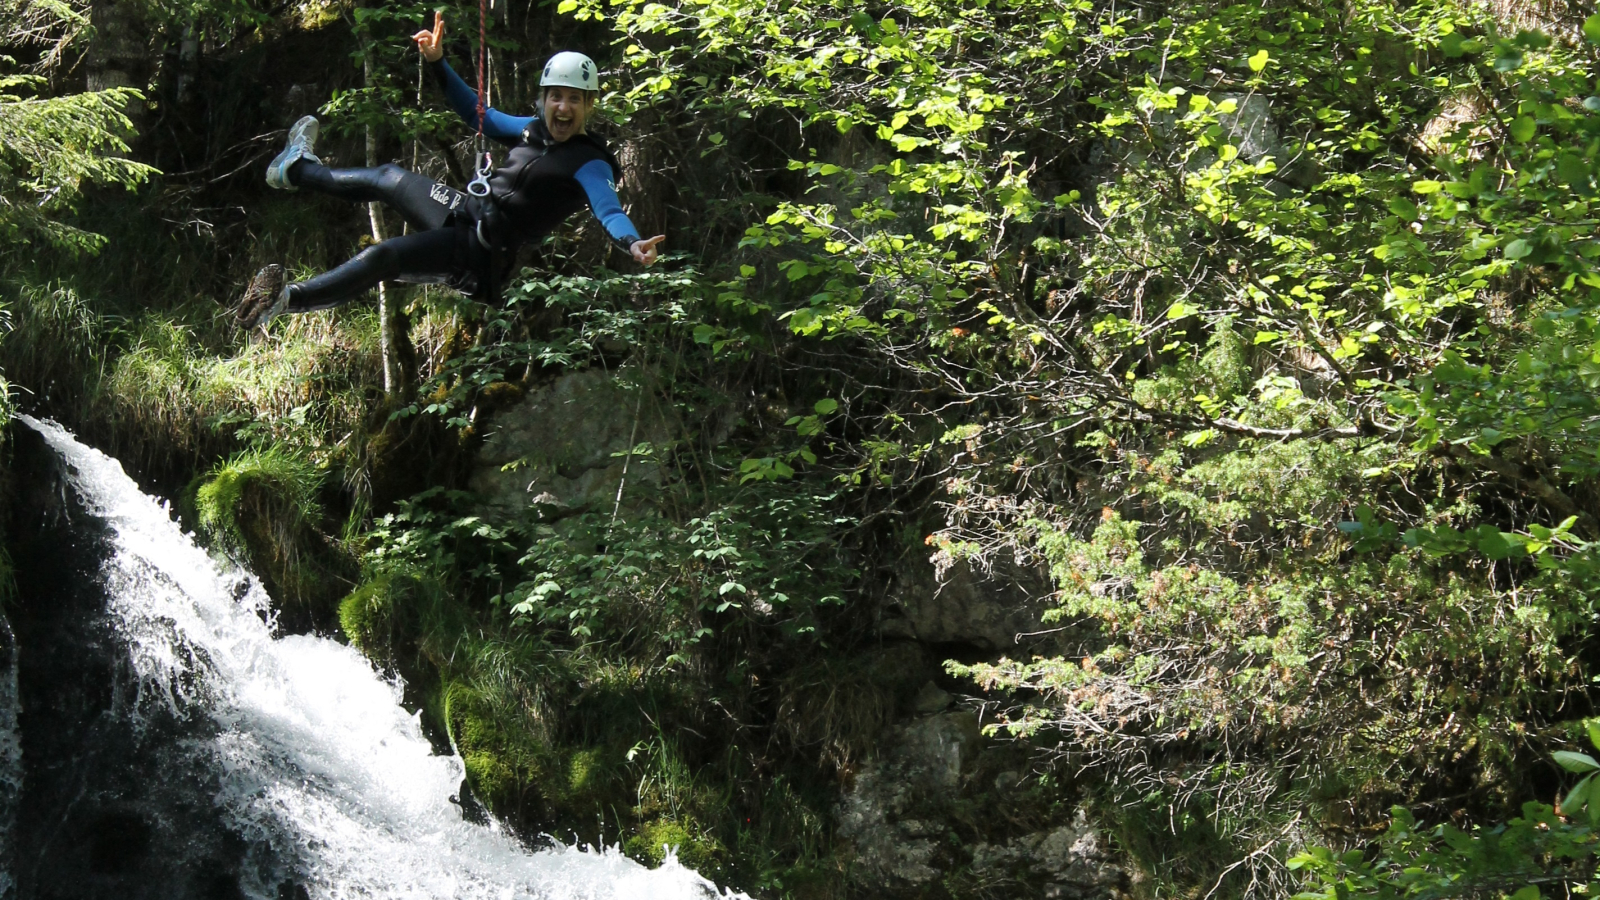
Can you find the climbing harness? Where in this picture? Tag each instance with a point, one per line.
(479, 185)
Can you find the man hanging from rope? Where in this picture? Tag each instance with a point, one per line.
(554, 167)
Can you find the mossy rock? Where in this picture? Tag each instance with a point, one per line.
(367, 617)
(263, 506)
(492, 778)
(499, 395)
(500, 767)
(513, 771)
(586, 773)
(384, 617)
(694, 849)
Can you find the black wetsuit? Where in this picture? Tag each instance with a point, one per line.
(467, 242)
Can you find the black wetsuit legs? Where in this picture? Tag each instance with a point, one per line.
(439, 256)
(436, 253)
(423, 202)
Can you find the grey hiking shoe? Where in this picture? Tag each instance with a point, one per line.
(266, 296)
(302, 140)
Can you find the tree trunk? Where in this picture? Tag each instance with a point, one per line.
(118, 55)
(394, 340)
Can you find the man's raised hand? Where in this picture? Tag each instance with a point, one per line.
(431, 42)
(644, 252)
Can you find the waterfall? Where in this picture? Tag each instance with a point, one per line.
(325, 785)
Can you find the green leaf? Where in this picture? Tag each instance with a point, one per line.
(1573, 761)
(1593, 727)
(1571, 169)
(1528, 893)
(1518, 249)
(1426, 186)
(1259, 60)
(1591, 28)
(825, 406)
(1523, 128)
(1576, 799)
(1493, 544)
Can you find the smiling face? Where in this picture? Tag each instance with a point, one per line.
(566, 110)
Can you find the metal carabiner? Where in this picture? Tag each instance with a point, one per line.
(479, 186)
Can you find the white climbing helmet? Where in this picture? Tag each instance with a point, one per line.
(571, 69)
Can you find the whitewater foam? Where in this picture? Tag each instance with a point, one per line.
(314, 756)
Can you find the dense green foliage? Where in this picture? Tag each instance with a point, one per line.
(1266, 336)
(1533, 855)
(1541, 853)
(51, 148)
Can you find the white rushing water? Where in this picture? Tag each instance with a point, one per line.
(314, 755)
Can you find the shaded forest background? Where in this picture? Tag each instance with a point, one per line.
(1249, 352)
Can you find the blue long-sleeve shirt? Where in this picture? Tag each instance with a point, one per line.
(583, 159)
(497, 126)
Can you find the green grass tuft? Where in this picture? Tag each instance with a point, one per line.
(654, 840)
(287, 486)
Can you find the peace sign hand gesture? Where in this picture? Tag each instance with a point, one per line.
(431, 42)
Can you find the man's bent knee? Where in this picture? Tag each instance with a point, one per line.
(380, 256)
(391, 175)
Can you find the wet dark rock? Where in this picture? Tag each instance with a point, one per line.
(932, 813)
(10, 753)
(1070, 861)
(111, 805)
(893, 813)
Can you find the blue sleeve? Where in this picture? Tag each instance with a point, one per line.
(595, 176)
(464, 100)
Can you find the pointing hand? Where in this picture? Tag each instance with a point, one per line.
(431, 42)
(644, 252)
